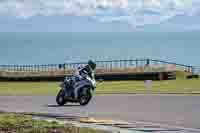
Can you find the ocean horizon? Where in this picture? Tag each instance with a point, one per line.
(60, 47)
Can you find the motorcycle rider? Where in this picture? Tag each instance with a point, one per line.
(81, 74)
(87, 70)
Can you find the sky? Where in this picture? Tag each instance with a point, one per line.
(99, 15)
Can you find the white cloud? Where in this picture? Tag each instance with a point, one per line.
(135, 12)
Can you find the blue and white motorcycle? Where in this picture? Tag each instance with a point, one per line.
(82, 91)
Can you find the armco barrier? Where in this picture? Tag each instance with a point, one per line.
(104, 77)
(138, 69)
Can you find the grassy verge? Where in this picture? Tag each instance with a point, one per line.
(182, 86)
(18, 123)
(172, 86)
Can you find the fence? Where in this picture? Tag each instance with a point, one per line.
(107, 65)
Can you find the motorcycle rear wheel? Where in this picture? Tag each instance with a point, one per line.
(84, 99)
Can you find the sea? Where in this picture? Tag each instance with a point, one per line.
(66, 47)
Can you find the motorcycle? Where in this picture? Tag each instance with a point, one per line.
(81, 91)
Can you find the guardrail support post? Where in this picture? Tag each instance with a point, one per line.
(136, 63)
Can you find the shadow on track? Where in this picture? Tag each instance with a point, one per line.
(67, 105)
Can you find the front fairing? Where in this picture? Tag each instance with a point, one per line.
(92, 81)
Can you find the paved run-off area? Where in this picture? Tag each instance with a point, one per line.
(164, 109)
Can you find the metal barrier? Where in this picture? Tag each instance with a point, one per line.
(107, 65)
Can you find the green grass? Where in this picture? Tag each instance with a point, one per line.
(166, 87)
(51, 88)
(9, 120)
(29, 88)
(19, 123)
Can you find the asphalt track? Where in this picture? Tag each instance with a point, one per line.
(172, 110)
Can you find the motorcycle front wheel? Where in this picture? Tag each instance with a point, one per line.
(84, 99)
(60, 98)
